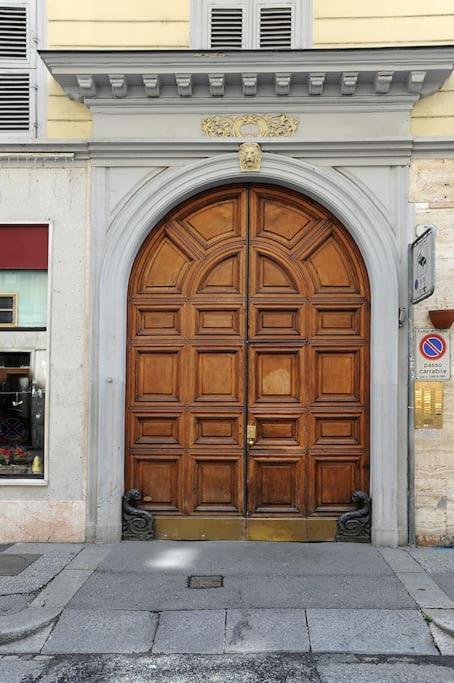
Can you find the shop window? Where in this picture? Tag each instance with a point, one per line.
(251, 24)
(23, 276)
(22, 410)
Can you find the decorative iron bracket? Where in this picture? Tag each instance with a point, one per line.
(137, 524)
(354, 526)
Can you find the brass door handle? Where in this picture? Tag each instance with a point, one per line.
(251, 434)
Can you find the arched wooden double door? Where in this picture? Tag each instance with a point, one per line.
(247, 387)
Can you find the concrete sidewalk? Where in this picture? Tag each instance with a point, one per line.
(150, 599)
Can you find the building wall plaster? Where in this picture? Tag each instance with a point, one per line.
(55, 511)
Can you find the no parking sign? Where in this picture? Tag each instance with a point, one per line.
(432, 354)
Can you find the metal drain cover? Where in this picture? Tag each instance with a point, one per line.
(12, 565)
(205, 581)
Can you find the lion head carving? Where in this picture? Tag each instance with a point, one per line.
(250, 156)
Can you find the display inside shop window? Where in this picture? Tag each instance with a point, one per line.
(22, 403)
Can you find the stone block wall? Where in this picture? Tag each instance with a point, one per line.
(432, 192)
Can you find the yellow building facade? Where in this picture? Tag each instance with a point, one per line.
(140, 25)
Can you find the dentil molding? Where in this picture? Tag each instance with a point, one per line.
(367, 75)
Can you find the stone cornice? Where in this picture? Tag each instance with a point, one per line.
(394, 150)
(192, 77)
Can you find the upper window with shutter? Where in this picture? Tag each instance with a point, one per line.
(251, 24)
(17, 68)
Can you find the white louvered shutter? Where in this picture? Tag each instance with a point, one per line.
(14, 101)
(275, 27)
(17, 69)
(13, 32)
(251, 24)
(226, 27)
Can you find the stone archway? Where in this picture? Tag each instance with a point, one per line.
(372, 232)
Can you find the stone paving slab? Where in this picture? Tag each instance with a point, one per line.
(160, 592)
(443, 641)
(151, 592)
(434, 560)
(239, 557)
(192, 632)
(14, 564)
(61, 589)
(266, 630)
(31, 645)
(445, 583)
(90, 557)
(102, 631)
(25, 623)
(46, 548)
(36, 575)
(400, 560)
(370, 631)
(325, 591)
(425, 590)
(10, 604)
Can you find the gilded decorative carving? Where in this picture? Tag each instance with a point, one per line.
(250, 154)
(250, 126)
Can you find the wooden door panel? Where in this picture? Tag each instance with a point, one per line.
(216, 218)
(159, 478)
(275, 321)
(283, 218)
(337, 320)
(209, 429)
(217, 374)
(224, 274)
(167, 268)
(332, 481)
(330, 269)
(159, 374)
(157, 429)
(217, 484)
(276, 430)
(160, 320)
(337, 374)
(213, 321)
(276, 485)
(272, 275)
(276, 375)
(337, 429)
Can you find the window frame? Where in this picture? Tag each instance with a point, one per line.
(302, 27)
(15, 309)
